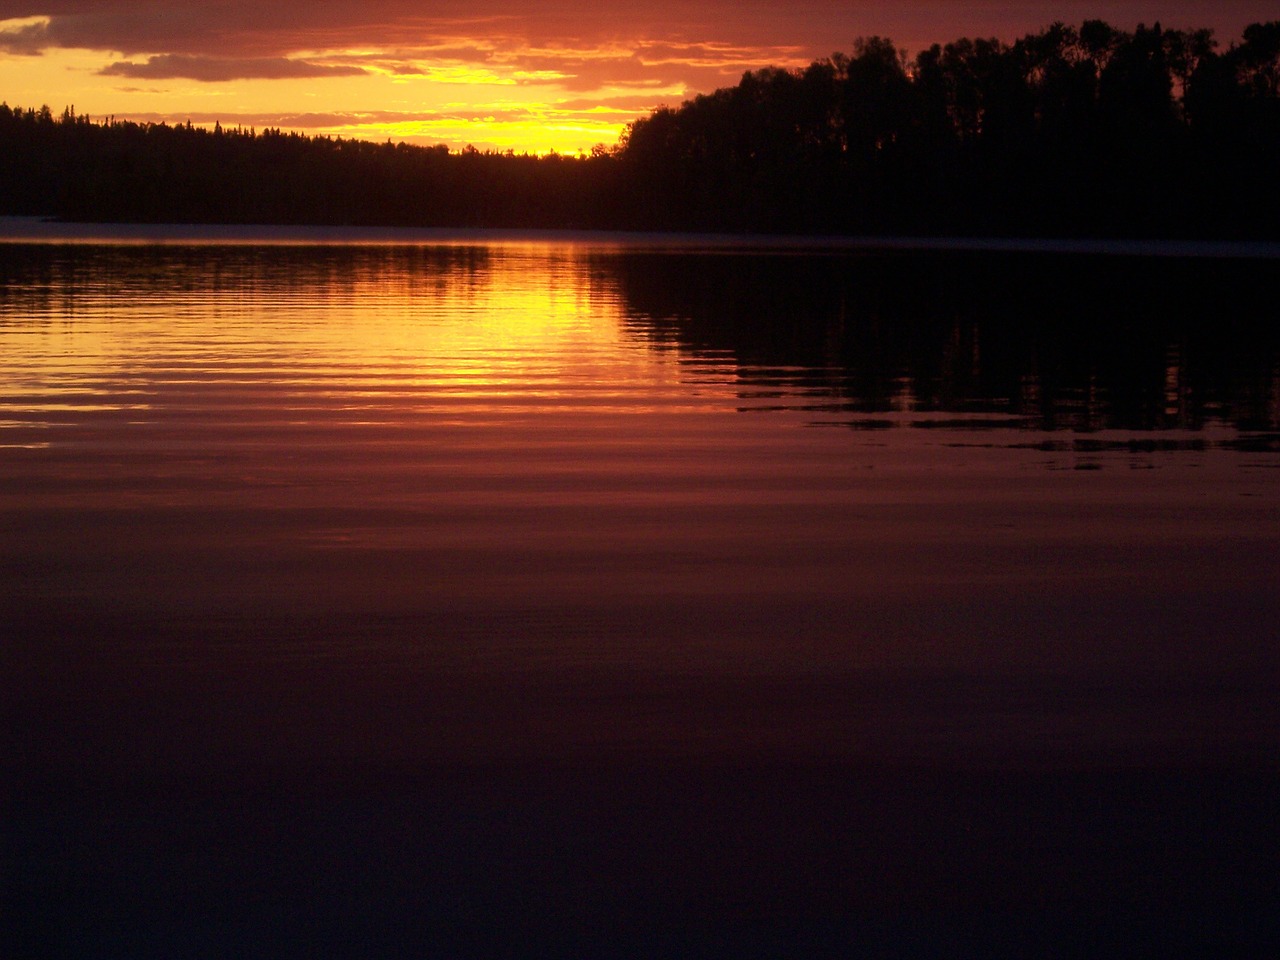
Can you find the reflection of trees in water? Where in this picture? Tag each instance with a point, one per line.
(1060, 342)
(37, 279)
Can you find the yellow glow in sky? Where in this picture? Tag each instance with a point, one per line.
(560, 75)
(506, 96)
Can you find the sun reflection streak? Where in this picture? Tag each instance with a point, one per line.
(360, 338)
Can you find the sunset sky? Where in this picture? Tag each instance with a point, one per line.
(499, 74)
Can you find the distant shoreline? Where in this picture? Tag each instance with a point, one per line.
(42, 230)
(1086, 139)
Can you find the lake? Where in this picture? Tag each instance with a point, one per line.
(427, 594)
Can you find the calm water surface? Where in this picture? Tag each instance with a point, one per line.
(536, 595)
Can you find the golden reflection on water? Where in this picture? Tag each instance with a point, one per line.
(394, 594)
(491, 460)
(368, 335)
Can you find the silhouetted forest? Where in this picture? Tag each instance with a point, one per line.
(1088, 131)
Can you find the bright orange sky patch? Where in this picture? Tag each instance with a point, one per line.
(498, 74)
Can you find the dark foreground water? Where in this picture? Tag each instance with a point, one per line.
(522, 598)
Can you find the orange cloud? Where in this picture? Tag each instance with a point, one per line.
(249, 28)
(214, 69)
(557, 73)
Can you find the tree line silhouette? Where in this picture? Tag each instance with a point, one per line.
(1089, 131)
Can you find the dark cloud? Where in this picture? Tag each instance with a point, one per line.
(28, 40)
(212, 69)
(649, 43)
(250, 28)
